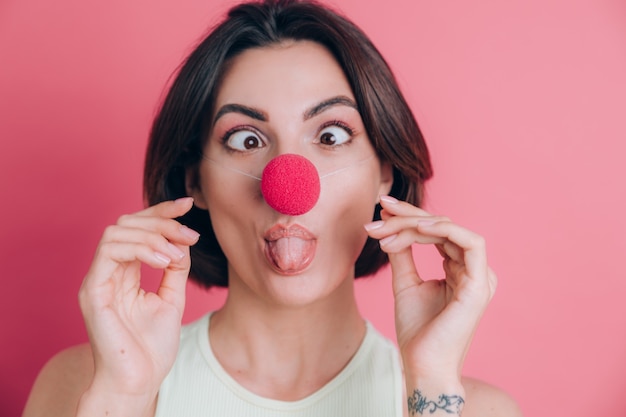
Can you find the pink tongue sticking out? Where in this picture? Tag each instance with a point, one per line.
(290, 184)
(291, 254)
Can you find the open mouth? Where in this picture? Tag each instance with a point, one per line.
(290, 250)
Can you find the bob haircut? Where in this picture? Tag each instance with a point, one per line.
(183, 122)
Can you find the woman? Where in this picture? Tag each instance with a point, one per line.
(278, 78)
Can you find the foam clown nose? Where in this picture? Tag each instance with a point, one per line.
(290, 184)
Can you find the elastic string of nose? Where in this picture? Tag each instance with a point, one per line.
(290, 183)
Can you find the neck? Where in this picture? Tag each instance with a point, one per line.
(286, 352)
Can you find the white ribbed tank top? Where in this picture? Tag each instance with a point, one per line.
(197, 385)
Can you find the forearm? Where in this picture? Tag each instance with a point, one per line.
(96, 403)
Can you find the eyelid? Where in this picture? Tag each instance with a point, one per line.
(239, 128)
(338, 123)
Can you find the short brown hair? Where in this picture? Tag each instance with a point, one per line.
(183, 122)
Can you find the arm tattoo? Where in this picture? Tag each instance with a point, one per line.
(419, 404)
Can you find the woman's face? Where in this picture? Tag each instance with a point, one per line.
(289, 98)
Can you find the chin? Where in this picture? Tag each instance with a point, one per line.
(307, 288)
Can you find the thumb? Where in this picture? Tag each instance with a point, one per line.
(403, 270)
(174, 281)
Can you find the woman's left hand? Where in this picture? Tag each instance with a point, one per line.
(435, 319)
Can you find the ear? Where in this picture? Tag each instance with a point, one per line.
(193, 188)
(386, 178)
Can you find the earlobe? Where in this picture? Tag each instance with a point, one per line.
(192, 186)
(386, 178)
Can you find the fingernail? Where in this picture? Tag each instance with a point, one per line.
(183, 200)
(162, 259)
(175, 251)
(388, 199)
(190, 233)
(374, 225)
(387, 240)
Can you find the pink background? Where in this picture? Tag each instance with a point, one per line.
(523, 104)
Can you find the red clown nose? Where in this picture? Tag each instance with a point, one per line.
(290, 184)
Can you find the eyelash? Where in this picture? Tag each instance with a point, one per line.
(341, 125)
(236, 129)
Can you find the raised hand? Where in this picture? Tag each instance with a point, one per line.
(134, 334)
(435, 319)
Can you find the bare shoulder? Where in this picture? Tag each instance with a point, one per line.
(486, 400)
(60, 383)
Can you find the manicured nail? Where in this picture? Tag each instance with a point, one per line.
(162, 259)
(183, 200)
(388, 199)
(190, 233)
(374, 225)
(175, 251)
(387, 240)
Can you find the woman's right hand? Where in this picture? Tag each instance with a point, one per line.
(134, 334)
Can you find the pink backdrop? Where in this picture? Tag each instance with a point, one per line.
(523, 104)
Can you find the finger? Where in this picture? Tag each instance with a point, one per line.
(110, 256)
(173, 284)
(170, 229)
(401, 208)
(453, 271)
(138, 229)
(404, 273)
(397, 232)
(169, 209)
(451, 250)
(159, 242)
(471, 244)
(465, 247)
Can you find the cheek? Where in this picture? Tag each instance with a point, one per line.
(357, 189)
(222, 187)
(351, 200)
(234, 204)
(232, 201)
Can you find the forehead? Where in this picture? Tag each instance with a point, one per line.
(290, 72)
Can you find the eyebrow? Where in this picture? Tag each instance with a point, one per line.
(308, 114)
(241, 109)
(328, 103)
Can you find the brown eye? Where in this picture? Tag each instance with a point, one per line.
(327, 138)
(251, 142)
(244, 140)
(334, 136)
